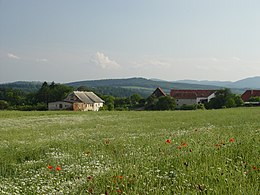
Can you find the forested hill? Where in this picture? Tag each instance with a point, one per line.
(143, 85)
(115, 87)
(25, 86)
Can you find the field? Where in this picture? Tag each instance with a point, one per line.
(177, 152)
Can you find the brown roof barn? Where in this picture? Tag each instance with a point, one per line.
(78, 101)
(250, 93)
(191, 96)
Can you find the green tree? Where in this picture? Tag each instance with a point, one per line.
(223, 99)
(230, 102)
(43, 94)
(165, 103)
(53, 92)
(151, 102)
(3, 105)
(238, 100)
(109, 102)
(254, 99)
(135, 99)
(121, 103)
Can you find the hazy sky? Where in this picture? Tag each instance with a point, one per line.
(69, 40)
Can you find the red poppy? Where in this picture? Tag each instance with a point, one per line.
(50, 167)
(184, 145)
(179, 147)
(58, 168)
(120, 177)
(119, 191)
(232, 139)
(168, 141)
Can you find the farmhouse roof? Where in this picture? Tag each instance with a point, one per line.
(190, 93)
(250, 93)
(185, 95)
(88, 97)
(158, 92)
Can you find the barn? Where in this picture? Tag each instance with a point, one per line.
(78, 101)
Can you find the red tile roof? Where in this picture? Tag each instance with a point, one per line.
(184, 95)
(250, 93)
(190, 94)
(159, 92)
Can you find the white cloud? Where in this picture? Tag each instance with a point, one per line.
(236, 59)
(104, 61)
(12, 56)
(152, 62)
(41, 60)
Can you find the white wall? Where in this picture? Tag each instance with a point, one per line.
(180, 102)
(97, 106)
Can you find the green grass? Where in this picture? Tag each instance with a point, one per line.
(127, 152)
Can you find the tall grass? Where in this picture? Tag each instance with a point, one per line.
(208, 152)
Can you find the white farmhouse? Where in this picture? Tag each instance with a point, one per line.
(78, 101)
(191, 97)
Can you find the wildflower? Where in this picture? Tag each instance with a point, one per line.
(107, 142)
(87, 153)
(184, 145)
(50, 167)
(120, 177)
(89, 177)
(119, 191)
(168, 141)
(232, 139)
(217, 146)
(58, 168)
(179, 147)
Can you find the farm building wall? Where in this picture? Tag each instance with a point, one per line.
(78, 106)
(60, 105)
(181, 102)
(97, 106)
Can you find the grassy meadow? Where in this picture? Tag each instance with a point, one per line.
(169, 152)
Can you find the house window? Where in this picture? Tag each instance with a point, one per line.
(60, 106)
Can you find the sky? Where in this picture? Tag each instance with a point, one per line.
(65, 40)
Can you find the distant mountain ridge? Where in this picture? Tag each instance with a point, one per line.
(144, 86)
(147, 86)
(247, 83)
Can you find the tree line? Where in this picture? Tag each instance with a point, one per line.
(15, 99)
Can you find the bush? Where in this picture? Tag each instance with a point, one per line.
(188, 107)
(200, 106)
(39, 107)
(3, 105)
